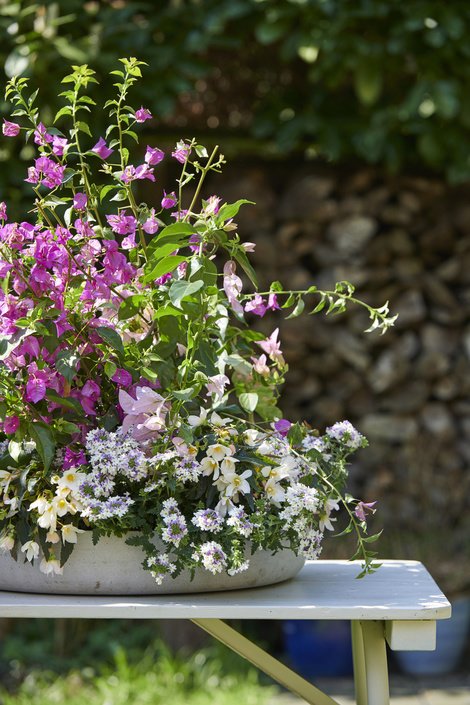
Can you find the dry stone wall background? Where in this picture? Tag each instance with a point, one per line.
(405, 240)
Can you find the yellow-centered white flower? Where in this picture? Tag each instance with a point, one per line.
(50, 567)
(31, 550)
(218, 452)
(70, 533)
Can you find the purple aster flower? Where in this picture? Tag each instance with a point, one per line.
(153, 155)
(11, 425)
(169, 200)
(151, 225)
(181, 152)
(282, 427)
(122, 224)
(101, 149)
(142, 114)
(257, 305)
(10, 129)
(364, 508)
(41, 136)
(80, 201)
(59, 144)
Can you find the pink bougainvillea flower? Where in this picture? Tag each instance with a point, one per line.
(364, 508)
(257, 305)
(5, 267)
(151, 225)
(232, 286)
(153, 155)
(282, 426)
(169, 200)
(179, 215)
(36, 386)
(80, 201)
(90, 393)
(129, 242)
(142, 114)
(272, 347)
(10, 129)
(122, 377)
(11, 425)
(122, 224)
(49, 172)
(59, 145)
(41, 136)
(101, 149)
(181, 152)
(62, 325)
(3, 210)
(144, 171)
(73, 458)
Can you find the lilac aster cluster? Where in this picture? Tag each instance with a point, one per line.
(345, 433)
(239, 521)
(160, 566)
(109, 508)
(208, 520)
(314, 443)
(175, 527)
(212, 556)
(112, 454)
(309, 539)
(297, 499)
(187, 470)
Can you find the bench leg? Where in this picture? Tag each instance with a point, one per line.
(265, 662)
(370, 663)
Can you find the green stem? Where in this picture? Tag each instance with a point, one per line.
(205, 169)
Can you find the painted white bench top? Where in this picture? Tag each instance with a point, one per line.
(399, 590)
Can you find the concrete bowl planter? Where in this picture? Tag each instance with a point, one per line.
(112, 567)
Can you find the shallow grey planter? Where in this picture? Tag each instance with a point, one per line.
(112, 567)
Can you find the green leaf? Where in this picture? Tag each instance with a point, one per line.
(44, 440)
(248, 400)
(66, 110)
(299, 307)
(112, 337)
(66, 364)
(67, 402)
(229, 210)
(165, 266)
(110, 369)
(83, 127)
(180, 290)
(243, 261)
(131, 306)
(105, 190)
(7, 346)
(184, 394)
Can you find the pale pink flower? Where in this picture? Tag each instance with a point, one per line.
(272, 347)
(232, 286)
(145, 415)
(216, 385)
(260, 366)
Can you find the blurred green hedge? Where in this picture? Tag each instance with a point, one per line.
(385, 81)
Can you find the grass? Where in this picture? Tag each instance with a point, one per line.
(150, 676)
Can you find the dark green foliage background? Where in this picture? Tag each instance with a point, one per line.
(385, 81)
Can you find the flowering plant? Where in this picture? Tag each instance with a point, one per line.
(135, 398)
